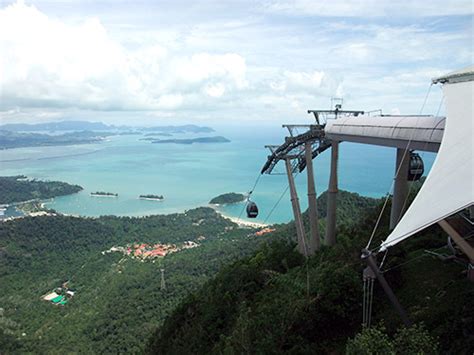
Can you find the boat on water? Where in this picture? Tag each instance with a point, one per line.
(103, 194)
(151, 197)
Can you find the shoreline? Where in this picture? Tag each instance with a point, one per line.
(242, 223)
(239, 221)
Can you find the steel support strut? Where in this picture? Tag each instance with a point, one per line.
(400, 187)
(314, 242)
(302, 248)
(332, 196)
(369, 258)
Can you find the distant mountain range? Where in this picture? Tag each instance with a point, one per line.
(9, 139)
(99, 126)
(57, 126)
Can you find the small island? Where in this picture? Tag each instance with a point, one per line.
(161, 134)
(228, 198)
(103, 194)
(151, 197)
(217, 139)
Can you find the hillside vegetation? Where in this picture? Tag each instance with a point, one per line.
(276, 301)
(118, 303)
(230, 197)
(18, 188)
(118, 300)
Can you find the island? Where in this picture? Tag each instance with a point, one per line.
(189, 128)
(162, 134)
(104, 194)
(151, 197)
(19, 188)
(216, 139)
(11, 139)
(228, 198)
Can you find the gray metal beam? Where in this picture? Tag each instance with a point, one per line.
(465, 247)
(368, 256)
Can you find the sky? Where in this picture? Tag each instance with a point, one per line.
(225, 62)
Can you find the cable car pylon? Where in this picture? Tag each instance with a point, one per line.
(298, 151)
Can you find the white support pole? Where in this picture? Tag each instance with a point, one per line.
(400, 187)
(332, 196)
(314, 242)
(302, 247)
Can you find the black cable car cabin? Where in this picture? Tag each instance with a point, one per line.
(252, 210)
(416, 168)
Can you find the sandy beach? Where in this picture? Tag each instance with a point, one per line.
(243, 223)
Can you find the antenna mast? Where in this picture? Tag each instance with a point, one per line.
(163, 284)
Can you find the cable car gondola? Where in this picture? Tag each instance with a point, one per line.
(252, 210)
(416, 168)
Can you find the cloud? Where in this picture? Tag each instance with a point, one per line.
(48, 63)
(253, 62)
(371, 8)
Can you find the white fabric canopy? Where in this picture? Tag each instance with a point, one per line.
(449, 187)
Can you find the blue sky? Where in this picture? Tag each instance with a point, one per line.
(246, 62)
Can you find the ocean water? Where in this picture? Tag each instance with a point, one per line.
(189, 176)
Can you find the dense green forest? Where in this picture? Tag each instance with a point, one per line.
(18, 188)
(233, 293)
(230, 197)
(276, 301)
(118, 301)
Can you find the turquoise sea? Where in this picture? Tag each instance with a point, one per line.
(190, 175)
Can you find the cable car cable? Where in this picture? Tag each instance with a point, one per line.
(422, 155)
(279, 200)
(249, 193)
(397, 171)
(411, 185)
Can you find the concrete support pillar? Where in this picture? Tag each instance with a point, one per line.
(314, 242)
(400, 187)
(332, 196)
(295, 203)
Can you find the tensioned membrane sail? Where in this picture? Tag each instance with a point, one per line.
(449, 187)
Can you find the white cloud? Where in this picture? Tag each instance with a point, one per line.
(201, 67)
(371, 8)
(170, 101)
(216, 90)
(47, 62)
(248, 62)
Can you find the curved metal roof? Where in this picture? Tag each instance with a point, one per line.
(422, 132)
(466, 74)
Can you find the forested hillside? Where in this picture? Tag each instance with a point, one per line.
(267, 298)
(18, 188)
(276, 301)
(118, 299)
